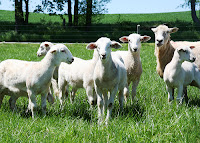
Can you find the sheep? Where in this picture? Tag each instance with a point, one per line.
(109, 76)
(164, 49)
(180, 72)
(17, 78)
(42, 51)
(132, 59)
(79, 75)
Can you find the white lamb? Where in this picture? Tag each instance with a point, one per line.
(17, 78)
(132, 59)
(180, 72)
(109, 76)
(42, 51)
(79, 74)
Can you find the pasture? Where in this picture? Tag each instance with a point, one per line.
(149, 119)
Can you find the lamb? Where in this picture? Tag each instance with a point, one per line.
(164, 49)
(17, 78)
(79, 75)
(109, 76)
(132, 59)
(42, 51)
(180, 72)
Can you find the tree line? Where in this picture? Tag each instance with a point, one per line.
(82, 9)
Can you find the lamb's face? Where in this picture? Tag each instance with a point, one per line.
(134, 41)
(103, 46)
(185, 54)
(44, 48)
(62, 53)
(162, 34)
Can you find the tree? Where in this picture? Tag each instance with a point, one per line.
(70, 12)
(193, 12)
(76, 2)
(19, 18)
(89, 13)
(192, 4)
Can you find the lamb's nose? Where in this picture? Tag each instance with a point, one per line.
(103, 56)
(72, 60)
(159, 41)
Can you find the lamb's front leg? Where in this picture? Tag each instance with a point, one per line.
(32, 102)
(170, 93)
(43, 103)
(111, 103)
(134, 88)
(180, 95)
(89, 92)
(100, 104)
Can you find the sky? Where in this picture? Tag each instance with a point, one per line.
(123, 6)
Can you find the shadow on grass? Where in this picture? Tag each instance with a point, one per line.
(194, 101)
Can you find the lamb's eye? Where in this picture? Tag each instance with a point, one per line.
(63, 51)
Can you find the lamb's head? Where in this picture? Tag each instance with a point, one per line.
(185, 54)
(44, 48)
(103, 46)
(134, 41)
(162, 34)
(61, 54)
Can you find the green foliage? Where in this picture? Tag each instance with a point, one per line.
(149, 119)
(43, 27)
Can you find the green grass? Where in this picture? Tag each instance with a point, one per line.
(149, 119)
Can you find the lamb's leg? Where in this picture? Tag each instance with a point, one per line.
(72, 95)
(105, 99)
(111, 103)
(185, 94)
(61, 86)
(180, 95)
(170, 93)
(1, 99)
(32, 102)
(126, 92)
(50, 97)
(43, 104)
(121, 99)
(12, 102)
(100, 105)
(55, 87)
(89, 92)
(134, 87)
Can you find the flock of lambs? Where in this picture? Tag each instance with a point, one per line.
(105, 75)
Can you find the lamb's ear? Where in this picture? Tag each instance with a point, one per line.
(46, 45)
(115, 45)
(192, 47)
(91, 46)
(145, 38)
(124, 39)
(173, 30)
(54, 51)
(153, 29)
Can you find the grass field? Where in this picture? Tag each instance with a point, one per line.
(149, 119)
